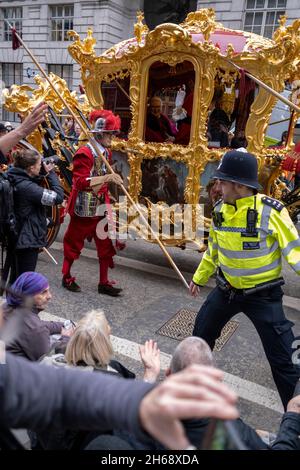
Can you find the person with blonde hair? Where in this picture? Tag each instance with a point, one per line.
(90, 347)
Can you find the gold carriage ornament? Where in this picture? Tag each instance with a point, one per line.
(199, 72)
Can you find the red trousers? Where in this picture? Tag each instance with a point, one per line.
(79, 229)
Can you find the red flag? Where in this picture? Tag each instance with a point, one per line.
(15, 40)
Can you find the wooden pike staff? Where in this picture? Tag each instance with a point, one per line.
(93, 142)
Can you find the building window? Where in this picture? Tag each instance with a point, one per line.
(11, 74)
(167, 11)
(63, 71)
(61, 21)
(14, 16)
(261, 16)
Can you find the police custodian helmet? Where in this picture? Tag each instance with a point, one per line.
(238, 167)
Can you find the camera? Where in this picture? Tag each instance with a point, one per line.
(52, 159)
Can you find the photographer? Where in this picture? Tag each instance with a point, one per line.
(30, 200)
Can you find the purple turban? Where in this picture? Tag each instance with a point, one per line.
(29, 283)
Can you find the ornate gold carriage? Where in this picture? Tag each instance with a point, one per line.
(205, 63)
(159, 62)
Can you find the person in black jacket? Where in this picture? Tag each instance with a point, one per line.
(30, 201)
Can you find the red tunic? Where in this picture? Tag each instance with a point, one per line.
(83, 164)
(292, 163)
(81, 228)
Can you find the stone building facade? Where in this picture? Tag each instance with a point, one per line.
(44, 25)
(258, 16)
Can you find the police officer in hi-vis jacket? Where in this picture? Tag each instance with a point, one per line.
(249, 233)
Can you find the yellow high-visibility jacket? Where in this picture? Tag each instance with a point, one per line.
(245, 261)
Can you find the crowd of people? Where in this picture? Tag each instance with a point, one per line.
(62, 382)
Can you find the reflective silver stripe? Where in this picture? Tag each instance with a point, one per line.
(290, 246)
(214, 245)
(253, 271)
(238, 230)
(48, 198)
(265, 218)
(263, 251)
(229, 229)
(296, 267)
(263, 242)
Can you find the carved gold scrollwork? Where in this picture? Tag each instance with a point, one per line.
(22, 99)
(115, 75)
(260, 114)
(135, 81)
(201, 21)
(167, 36)
(82, 51)
(139, 28)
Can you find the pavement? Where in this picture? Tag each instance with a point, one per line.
(152, 294)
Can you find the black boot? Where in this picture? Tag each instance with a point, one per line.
(108, 290)
(70, 284)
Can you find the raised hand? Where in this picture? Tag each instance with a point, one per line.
(36, 117)
(150, 356)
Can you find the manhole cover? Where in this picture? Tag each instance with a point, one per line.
(181, 326)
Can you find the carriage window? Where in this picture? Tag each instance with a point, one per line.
(170, 103)
(229, 110)
(116, 98)
(279, 123)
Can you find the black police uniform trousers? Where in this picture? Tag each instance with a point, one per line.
(265, 311)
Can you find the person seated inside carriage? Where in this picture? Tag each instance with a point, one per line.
(159, 128)
(184, 124)
(218, 127)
